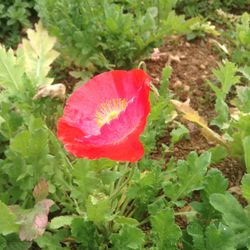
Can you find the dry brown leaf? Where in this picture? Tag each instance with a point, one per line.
(193, 116)
(53, 91)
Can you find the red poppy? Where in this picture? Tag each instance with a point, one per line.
(105, 117)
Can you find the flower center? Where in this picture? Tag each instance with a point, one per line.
(109, 110)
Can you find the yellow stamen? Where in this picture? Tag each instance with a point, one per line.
(109, 110)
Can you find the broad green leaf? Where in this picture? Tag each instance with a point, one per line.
(32, 144)
(85, 233)
(189, 176)
(7, 220)
(61, 221)
(129, 237)
(86, 180)
(98, 208)
(165, 232)
(234, 216)
(246, 147)
(14, 243)
(10, 71)
(245, 187)
(219, 153)
(38, 55)
(215, 182)
(221, 237)
(50, 241)
(195, 229)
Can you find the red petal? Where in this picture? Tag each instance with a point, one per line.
(118, 140)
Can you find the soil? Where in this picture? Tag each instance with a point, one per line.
(192, 64)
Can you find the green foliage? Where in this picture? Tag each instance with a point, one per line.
(189, 176)
(226, 76)
(234, 216)
(207, 8)
(165, 232)
(109, 33)
(241, 40)
(129, 237)
(14, 16)
(7, 220)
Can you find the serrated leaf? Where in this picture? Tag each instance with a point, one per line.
(129, 237)
(166, 232)
(38, 54)
(10, 71)
(179, 133)
(193, 116)
(234, 216)
(226, 75)
(243, 94)
(7, 220)
(189, 176)
(215, 182)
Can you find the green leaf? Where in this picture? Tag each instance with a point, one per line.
(126, 220)
(38, 55)
(243, 102)
(226, 75)
(85, 233)
(166, 73)
(61, 221)
(179, 133)
(166, 232)
(215, 182)
(98, 208)
(10, 71)
(195, 229)
(234, 216)
(189, 176)
(129, 237)
(222, 111)
(245, 187)
(246, 72)
(7, 220)
(246, 147)
(221, 237)
(219, 153)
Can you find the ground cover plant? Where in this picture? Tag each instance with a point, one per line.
(150, 157)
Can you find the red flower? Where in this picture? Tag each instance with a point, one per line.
(105, 117)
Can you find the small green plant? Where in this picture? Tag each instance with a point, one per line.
(107, 33)
(14, 16)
